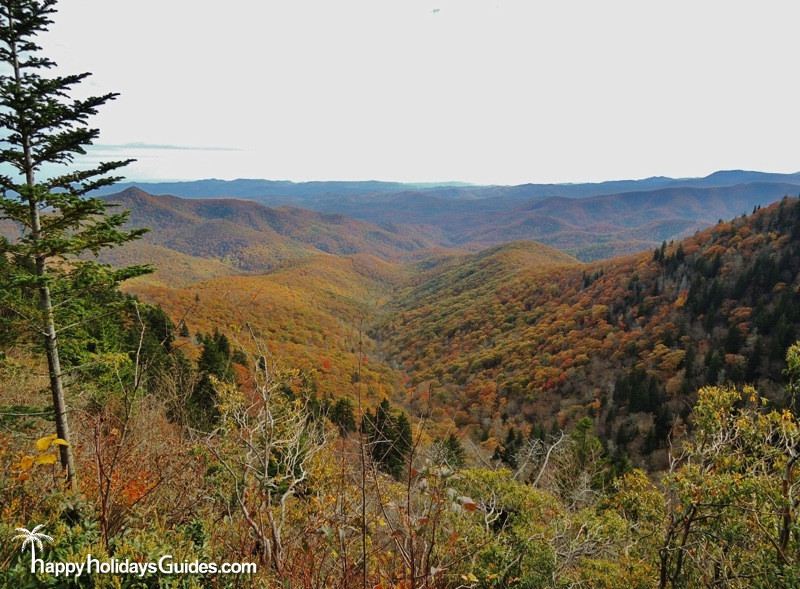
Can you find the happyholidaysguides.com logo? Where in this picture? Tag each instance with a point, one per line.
(165, 565)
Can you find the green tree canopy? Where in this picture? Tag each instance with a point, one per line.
(42, 129)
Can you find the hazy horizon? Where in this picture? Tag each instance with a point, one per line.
(503, 92)
(129, 180)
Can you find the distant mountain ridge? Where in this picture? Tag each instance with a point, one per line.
(278, 192)
(588, 220)
(590, 228)
(250, 237)
(625, 222)
(390, 224)
(259, 189)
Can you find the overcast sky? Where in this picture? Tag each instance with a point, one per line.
(487, 91)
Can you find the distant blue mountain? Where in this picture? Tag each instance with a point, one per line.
(590, 221)
(275, 191)
(323, 195)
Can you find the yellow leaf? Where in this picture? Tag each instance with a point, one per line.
(44, 443)
(45, 459)
(26, 463)
(60, 442)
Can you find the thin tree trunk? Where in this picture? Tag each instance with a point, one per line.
(45, 303)
(363, 459)
(56, 384)
(664, 555)
(787, 515)
(679, 557)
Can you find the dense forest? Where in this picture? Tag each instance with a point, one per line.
(627, 342)
(349, 406)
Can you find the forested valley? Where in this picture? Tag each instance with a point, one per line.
(351, 403)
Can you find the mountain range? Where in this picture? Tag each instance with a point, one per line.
(389, 220)
(519, 336)
(312, 194)
(244, 236)
(448, 294)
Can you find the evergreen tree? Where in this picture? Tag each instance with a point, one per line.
(754, 359)
(401, 444)
(43, 128)
(389, 437)
(214, 363)
(714, 365)
(342, 415)
(451, 450)
(587, 445)
(215, 358)
(507, 452)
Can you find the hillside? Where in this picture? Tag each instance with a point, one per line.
(312, 312)
(250, 384)
(517, 335)
(589, 228)
(171, 267)
(251, 237)
(650, 216)
(309, 315)
(471, 275)
(625, 341)
(591, 220)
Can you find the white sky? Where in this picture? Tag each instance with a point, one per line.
(487, 91)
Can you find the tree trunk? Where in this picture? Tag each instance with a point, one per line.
(57, 388)
(51, 350)
(786, 514)
(45, 303)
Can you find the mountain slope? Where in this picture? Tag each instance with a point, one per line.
(394, 223)
(590, 228)
(626, 341)
(626, 222)
(252, 237)
(307, 315)
(172, 268)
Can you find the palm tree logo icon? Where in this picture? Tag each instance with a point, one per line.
(33, 538)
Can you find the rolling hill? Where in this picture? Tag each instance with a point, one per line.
(626, 341)
(394, 224)
(516, 336)
(624, 223)
(589, 228)
(309, 315)
(518, 333)
(253, 238)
